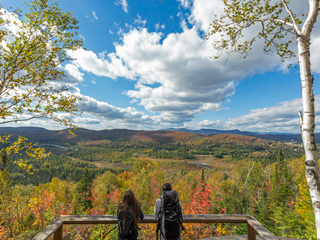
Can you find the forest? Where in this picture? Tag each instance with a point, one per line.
(45, 68)
(266, 181)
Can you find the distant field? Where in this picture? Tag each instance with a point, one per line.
(100, 164)
(202, 162)
(194, 164)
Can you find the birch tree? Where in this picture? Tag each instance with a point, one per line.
(33, 46)
(280, 29)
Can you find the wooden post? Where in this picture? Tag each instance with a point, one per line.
(58, 233)
(251, 233)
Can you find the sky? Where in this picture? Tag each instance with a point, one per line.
(146, 66)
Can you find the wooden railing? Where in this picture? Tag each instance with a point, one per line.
(56, 227)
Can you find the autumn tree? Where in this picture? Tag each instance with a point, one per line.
(84, 193)
(33, 46)
(279, 26)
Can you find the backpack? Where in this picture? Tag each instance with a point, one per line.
(125, 229)
(170, 221)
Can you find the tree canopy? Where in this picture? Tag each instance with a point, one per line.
(33, 47)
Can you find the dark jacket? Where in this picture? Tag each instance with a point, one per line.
(134, 233)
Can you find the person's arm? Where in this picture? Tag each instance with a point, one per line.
(157, 209)
(181, 207)
(181, 210)
(118, 209)
(141, 214)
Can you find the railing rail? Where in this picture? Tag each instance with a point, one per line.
(253, 225)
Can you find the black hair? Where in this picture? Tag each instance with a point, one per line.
(167, 187)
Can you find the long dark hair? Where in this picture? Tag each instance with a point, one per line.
(131, 205)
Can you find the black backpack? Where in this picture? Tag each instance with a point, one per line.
(170, 216)
(125, 229)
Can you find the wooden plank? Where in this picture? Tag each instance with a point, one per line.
(187, 218)
(49, 230)
(261, 230)
(58, 233)
(215, 218)
(66, 237)
(88, 219)
(251, 233)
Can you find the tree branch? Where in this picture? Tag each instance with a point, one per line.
(312, 17)
(278, 20)
(20, 100)
(296, 26)
(245, 185)
(22, 120)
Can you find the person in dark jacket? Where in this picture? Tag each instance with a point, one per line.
(157, 206)
(130, 206)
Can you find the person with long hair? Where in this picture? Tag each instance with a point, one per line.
(129, 214)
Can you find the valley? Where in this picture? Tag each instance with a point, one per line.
(223, 173)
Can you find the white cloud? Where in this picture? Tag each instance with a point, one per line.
(139, 21)
(174, 75)
(315, 54)
(211, 124)
(280, 118)
(102, 54)
(94, 15)
(93, 81)
(11, 24)
(184, 3)
(203, 12)
(73, 75)
(124, 4)
(189, 80)
(283, 112)
(112, 67)
(157, 26)
(82, 120)
(108, 113)
(110, 31)
(134, 101)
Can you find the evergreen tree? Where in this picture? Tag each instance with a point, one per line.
(282, 193)
(83, 193)
(202, 180)
(4, 161)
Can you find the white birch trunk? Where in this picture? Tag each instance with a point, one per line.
(307, 125)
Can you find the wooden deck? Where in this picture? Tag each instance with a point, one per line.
(253, 226)
(244, 237)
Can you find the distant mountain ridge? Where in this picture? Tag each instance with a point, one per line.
(41, 135)
(269, 136)
(81, 134)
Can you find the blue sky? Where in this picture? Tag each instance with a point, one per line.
(146, 66)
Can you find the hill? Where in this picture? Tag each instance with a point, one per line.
(82, 135)
(41, 135)
(269, 136)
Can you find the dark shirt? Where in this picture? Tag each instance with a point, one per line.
(134, 233)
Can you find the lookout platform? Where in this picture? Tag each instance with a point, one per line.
(254, 227)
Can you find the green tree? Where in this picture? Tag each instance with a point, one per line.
(281, 197)
(84, 193)
(279, 27)
(6, 192)
(33, 47)
(4, 161)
